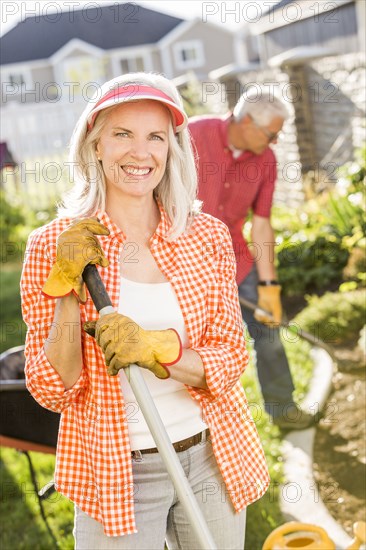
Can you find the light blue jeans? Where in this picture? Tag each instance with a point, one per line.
(159, 514)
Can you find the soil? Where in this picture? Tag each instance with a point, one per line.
(340, 442)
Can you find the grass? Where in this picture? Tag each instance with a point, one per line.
(24, 528)
(265, 515)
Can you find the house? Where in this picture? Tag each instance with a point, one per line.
(337, 27)
(53, 62)
(313, 55)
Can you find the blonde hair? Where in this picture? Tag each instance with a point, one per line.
(176, 191)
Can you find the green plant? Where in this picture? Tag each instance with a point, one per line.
(22, 526)
(348, 218)
(352, 174)
(11, 220)
(335, 317)
(192, 97)
(356, 265)
(17, 220)
(325, 241)
(310, 265)
(12, 327)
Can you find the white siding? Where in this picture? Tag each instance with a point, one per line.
(38, 128)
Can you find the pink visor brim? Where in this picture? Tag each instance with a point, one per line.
(136, 92)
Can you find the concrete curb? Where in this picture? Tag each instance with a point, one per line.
(299, 497)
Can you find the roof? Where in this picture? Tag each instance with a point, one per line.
(299, 55)
(284, 3)
(280, 4)
(303, 9)
(106, 26)
(233, 69)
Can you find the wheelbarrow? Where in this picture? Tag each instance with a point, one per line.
(24, 424)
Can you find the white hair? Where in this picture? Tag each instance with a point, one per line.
(261, 106)
(178, 188)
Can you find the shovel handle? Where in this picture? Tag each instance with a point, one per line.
(294, 329)
(172, 463)
(96, 288)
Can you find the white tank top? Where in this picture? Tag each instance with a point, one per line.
(154, 306)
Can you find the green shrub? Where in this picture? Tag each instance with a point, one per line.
(12, 327)
(307, 266)
(349, 216)
(335, 317)
(353, 174)
(325, 241)
(16, 223)
(11, 219)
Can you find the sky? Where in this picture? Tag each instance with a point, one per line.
(232, 14)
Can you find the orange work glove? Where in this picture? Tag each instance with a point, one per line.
(124, 342)
(77, 247)
(269, 299)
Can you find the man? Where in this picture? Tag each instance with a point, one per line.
(237, 173)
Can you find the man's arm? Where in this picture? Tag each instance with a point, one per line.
(264, 241)
(268, 289)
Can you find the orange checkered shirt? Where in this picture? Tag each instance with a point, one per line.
(93, 466)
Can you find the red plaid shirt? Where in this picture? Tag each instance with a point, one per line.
(93, 466)
(229, 187)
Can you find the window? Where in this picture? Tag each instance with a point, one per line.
(82, 71)
(16, 79)
(132, 64)
(189, 55)
(15, 83)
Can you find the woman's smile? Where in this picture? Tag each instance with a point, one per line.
(139, 172)
(133, 148)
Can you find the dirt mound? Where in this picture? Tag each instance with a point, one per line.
(340, 443)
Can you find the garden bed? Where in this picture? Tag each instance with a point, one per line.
(340, 442)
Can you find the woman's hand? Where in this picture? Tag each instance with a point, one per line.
(77, 247)
(124, 342)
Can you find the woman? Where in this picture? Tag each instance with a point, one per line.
(170, 273)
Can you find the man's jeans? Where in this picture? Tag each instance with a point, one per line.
(272, 365)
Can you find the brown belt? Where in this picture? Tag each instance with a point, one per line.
(180, 446)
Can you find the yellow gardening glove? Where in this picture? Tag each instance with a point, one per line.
(77, 247)
(124, 342)
(269, 299)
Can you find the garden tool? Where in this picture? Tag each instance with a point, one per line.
(291, 327)
(303, 536)
(104, 306)
(359, 531)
